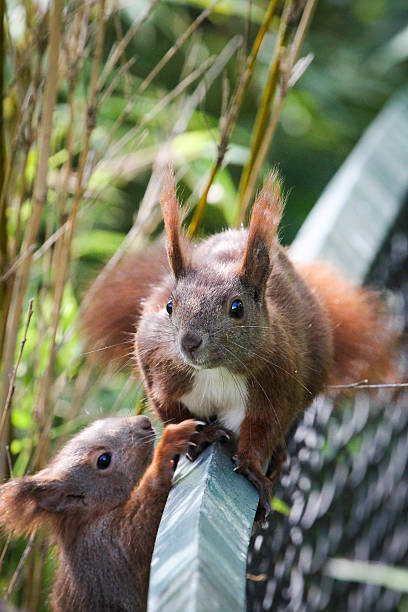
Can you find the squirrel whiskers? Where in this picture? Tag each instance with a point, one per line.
(102, 497)
(229, 330)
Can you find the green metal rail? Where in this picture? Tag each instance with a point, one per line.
(199, 560)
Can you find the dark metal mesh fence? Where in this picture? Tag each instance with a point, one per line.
(346, 483)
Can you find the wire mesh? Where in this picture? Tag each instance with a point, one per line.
(345, 482)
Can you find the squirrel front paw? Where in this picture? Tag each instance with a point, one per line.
(176, 439)
(206, 435)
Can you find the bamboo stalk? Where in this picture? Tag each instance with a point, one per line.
(264, 109)
(43, 412)
(20, 566)
(4, 292)
(232, 115)
(11, 387)
(286, 83)
(39, 198)
(158, 68)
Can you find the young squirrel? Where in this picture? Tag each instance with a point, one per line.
(103, 497)
(234, 331)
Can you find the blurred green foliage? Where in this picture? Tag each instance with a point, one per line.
(360, 52)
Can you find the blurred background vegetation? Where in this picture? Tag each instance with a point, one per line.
(90, 120)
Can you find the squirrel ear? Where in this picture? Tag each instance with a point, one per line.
(262, 234)
(171, 214)
(26, 502)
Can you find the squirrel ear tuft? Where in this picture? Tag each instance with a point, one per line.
(27, 502)
(262, 234)
(171, 214)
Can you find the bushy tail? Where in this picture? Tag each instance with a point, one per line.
(113, 304)
(364, 343)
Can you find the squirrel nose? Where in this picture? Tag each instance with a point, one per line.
(145, 422)
(190, 342)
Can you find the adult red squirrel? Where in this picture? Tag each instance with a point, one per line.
(103, 497)
(230, 329)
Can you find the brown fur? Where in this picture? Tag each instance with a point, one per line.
(262, 234)
(113, 305)
(362, 339)
(300, 329)
(171, 216)
(105, 521)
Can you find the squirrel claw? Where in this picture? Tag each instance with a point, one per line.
(261, 483)
(211, 432)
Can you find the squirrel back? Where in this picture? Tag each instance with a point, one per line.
(102, 497)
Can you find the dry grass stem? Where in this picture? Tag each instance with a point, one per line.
(16, 575)
(43, 412)
(11, 387)
(228, 122)
(264, 110)
(159, 66)
(39, 198)
(363, 384)
(286, 81)
(149, 214)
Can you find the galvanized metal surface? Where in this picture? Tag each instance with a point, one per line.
(357, 209)
(199, 561)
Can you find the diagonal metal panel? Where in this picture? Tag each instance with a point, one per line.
(351, 219)
(199, 561)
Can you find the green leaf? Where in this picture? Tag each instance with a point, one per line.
(21, 418)
(99, 243)
(370, 573)
(279, 505)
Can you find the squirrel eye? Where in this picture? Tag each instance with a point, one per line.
(169, 306)
(237, 309)
(103, 461)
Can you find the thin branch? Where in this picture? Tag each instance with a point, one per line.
(39, 192)
(229, 121)
(264, 111)
(11, 388)
(19, 567)
(363, 384)
(287, 80)
(44, 415)
(159, 66)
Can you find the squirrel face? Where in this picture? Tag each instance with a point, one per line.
(105, 461)
(215, 319)
(92, 474)
(217, 307)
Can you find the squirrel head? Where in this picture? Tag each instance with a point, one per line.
(216, 307)
(92, 474)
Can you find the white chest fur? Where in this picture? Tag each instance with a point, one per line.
(217, 391)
